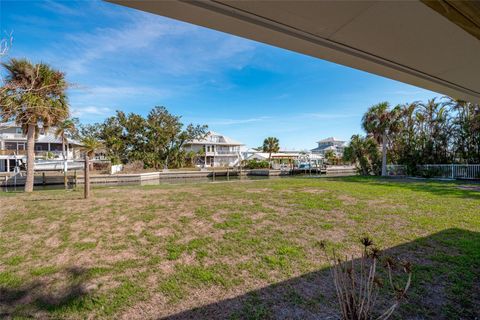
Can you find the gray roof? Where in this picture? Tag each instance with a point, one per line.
(48, 137)
(333, 148)
(215, 138)
(330, 139)
(51, 138)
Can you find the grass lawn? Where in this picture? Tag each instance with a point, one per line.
(235, 250)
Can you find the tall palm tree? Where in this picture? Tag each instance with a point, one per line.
(33, 96)
(379, 121)
(90, 146)
(363, 152)
(271, 145)
(63, 130)
(436, 131)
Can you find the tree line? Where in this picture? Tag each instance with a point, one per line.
(439, 131)
(33, 96)
(157, 140)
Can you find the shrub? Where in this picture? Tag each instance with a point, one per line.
(255, 164)
(134, 166)
(430, 172)
(357, 284)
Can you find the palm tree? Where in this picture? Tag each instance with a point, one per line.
(33, 96)
(465, 130)
(63, 130)
(90, 146)
(436, 131)
(379, 121)
(363, 152)
(271, 145)
(330, 156)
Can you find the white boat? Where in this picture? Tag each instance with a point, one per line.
(57, 165)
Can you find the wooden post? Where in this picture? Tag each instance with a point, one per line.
(44, 180)
(240, 165)
(86, 182)
(75, 179)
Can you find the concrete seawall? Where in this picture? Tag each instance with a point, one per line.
(114, 179)
(166, 175)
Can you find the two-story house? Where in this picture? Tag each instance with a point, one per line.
(331, 143)
(216, 150)
(13, 144)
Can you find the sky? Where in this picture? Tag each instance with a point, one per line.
(118, 58)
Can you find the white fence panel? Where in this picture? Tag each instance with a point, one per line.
(449, 171)
(116, 168)
(452, 171)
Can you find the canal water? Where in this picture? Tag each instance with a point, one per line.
(169, 181)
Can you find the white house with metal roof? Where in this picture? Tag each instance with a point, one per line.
(13, 144)
(330, 144)
(215, 150)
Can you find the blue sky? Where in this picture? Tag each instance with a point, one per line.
(121, 59)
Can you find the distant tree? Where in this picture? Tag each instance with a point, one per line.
(166, 137)
(330, 156)
(271, 145)
(88, 130)
(433, 132)
(33, 95)
(466, 131)
(157, 140)
(363, 152)
(380, 121)
(64, 130)
(112, 135)
(90, 145)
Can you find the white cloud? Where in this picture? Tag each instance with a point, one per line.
(122, 91)
(228, 122)
(59, 8)
(90, 111)
(167, 46)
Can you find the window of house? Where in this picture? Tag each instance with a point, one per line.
(55, 147)
(18, 131)
(41, 146)
(10, 146)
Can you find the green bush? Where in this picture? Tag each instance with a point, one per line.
(255, 164)
(430, 172)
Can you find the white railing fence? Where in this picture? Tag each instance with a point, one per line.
(450, 171)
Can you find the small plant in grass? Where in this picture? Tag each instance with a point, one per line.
(357, 283)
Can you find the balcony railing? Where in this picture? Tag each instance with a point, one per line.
(12, 152)
(15, 136)
(41, 154)
(222, 153)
